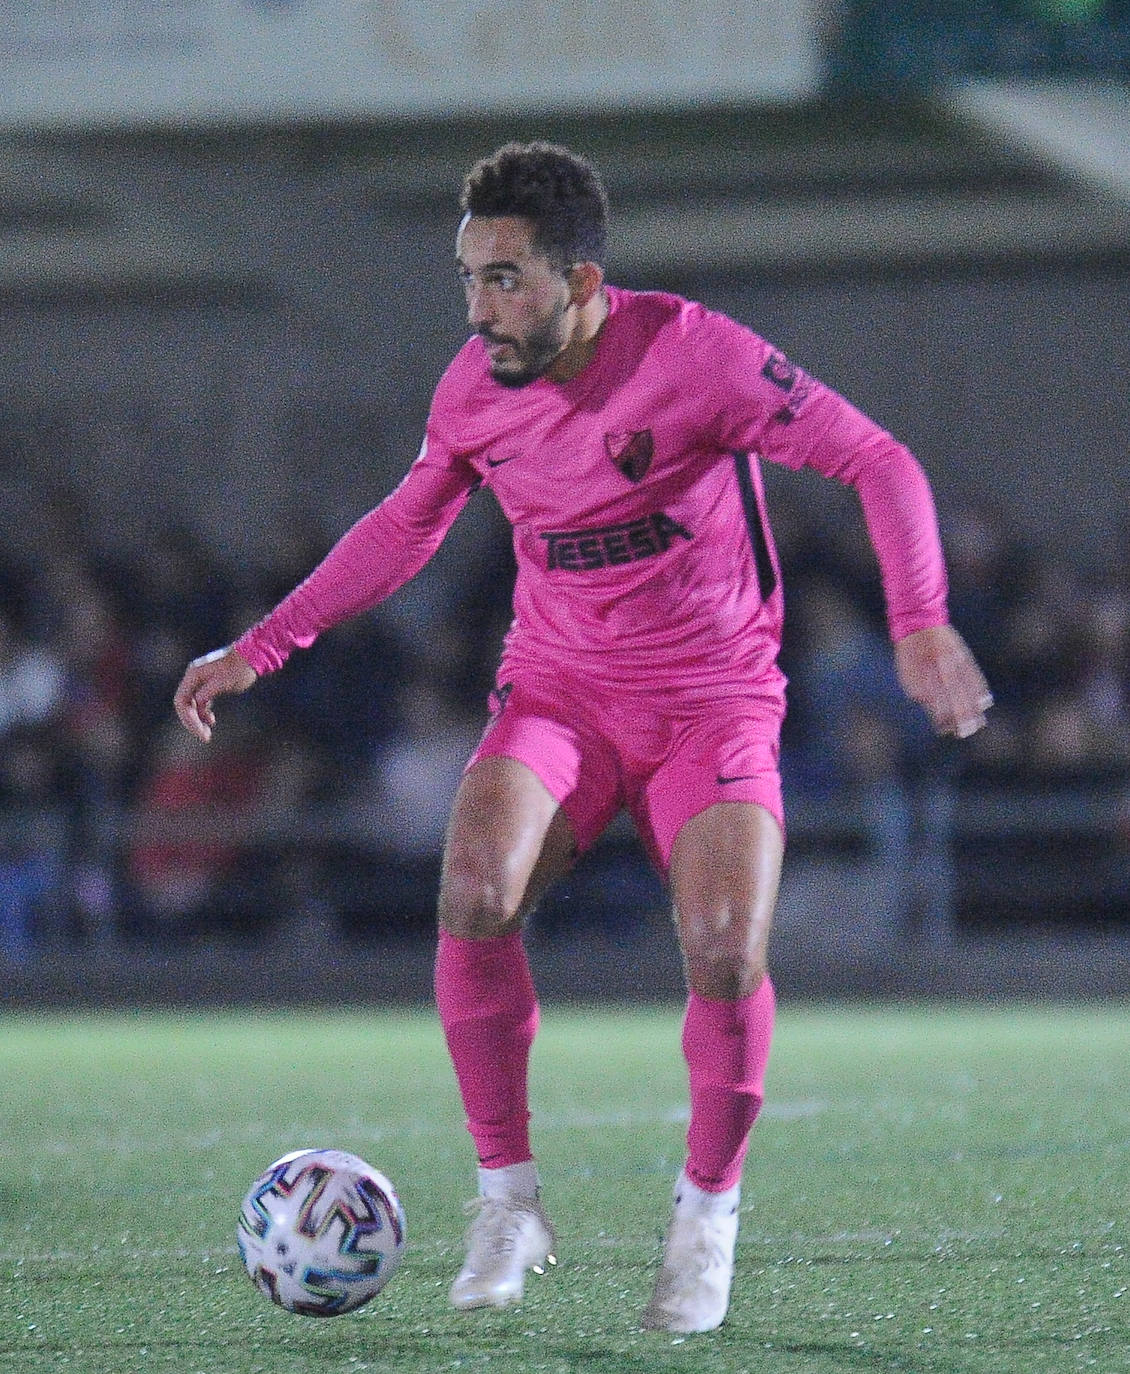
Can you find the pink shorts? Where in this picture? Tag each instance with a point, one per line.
(663, 759)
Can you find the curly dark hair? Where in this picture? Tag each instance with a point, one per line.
(558, 191)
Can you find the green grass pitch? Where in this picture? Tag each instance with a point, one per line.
(938, 1190)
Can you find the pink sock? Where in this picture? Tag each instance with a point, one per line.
(726, 1045)
(489, 1013)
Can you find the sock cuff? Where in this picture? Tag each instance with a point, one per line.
(723, 1014)
(477, 979)
(692, 1197)
(463, 951)
(518, 1179)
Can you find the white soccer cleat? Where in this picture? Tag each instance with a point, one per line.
(692, 1289)
(507, 1237)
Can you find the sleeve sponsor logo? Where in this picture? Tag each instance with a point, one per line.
(588, 550)
(791, 379)
(779, 371)
(498, 698)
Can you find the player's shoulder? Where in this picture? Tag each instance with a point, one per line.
(650, 311)
(464, 375)
(676, 318)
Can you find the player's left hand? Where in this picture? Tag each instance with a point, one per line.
(937, 670)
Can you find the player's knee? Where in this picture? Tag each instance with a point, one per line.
(478, 898)
(724, 953)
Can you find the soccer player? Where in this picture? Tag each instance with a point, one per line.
(621, 433)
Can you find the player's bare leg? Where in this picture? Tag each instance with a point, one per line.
(725, 869)
(506, 842)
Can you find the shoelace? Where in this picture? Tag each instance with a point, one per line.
(486, 1237)
(487, 1241)
(704, 1251)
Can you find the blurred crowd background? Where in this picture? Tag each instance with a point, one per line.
(221, 340)
(119, 823)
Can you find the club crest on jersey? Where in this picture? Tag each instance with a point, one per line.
(631, 450)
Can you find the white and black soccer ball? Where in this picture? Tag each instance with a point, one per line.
(321, 1232)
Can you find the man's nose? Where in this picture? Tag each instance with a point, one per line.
(478, 307)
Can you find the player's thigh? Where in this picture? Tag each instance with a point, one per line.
(724, 875)
(726, 751)
(507, 837)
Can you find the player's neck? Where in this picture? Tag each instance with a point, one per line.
(578, 352)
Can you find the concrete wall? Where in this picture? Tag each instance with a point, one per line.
(289, 364)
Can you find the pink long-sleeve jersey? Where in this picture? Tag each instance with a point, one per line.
(643, 549)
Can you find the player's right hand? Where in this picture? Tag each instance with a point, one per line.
(205, 678)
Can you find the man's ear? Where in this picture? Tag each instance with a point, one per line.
(585, 280)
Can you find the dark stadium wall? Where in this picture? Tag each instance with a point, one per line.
(291, 366)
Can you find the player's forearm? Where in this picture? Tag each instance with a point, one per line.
(898, 507)
(837, 440)
(381, 552)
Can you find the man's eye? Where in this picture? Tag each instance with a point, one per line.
(498, 281)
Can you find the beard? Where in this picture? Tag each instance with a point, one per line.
(534, 354)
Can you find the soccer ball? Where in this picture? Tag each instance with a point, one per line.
(321, 1232)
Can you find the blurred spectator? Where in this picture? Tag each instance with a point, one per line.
(1078, 721)
(342, 695)
(1105, 661)
(32, 844)
(95, 709)
(986, 568)
(33, 840)
(81, 669)
(186, 840)
(419, 768)
(103, 746)
(68, 545)
(390, 893)
(1051, 664)
(853, 723)
(1042, 634)
(178, 597)
(31, 679)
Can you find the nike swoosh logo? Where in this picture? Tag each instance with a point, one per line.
(736, 777)
(498, 462)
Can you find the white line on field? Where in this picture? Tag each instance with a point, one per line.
(250, 1131)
